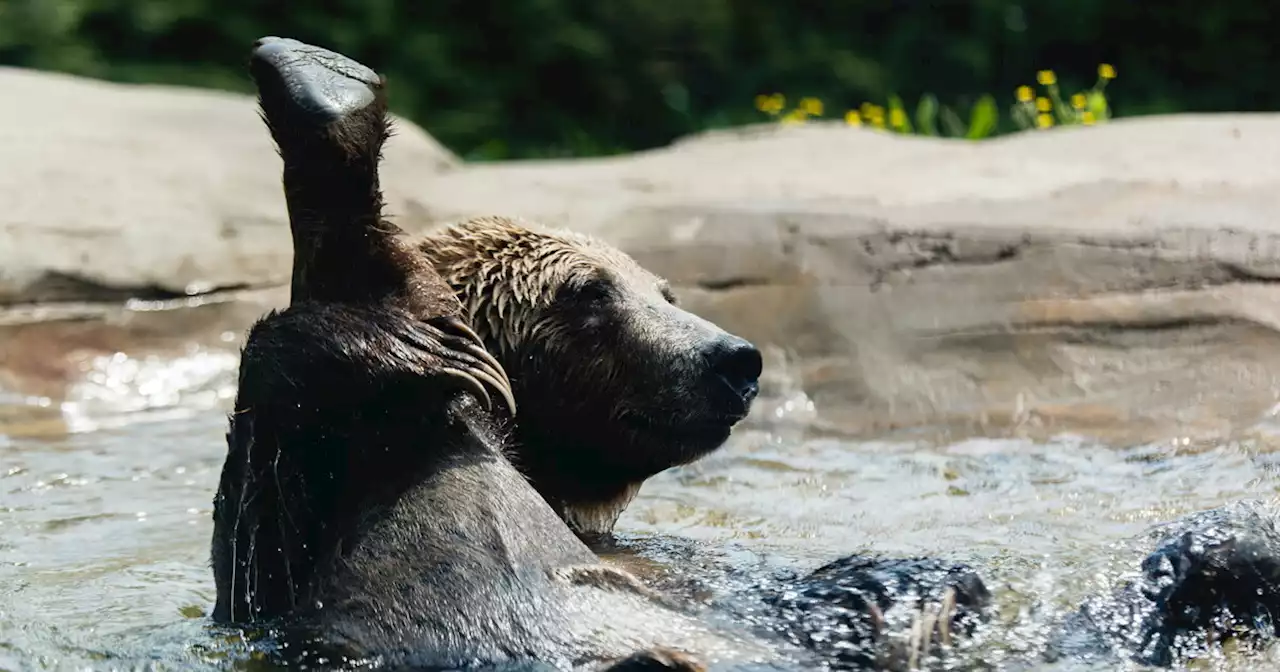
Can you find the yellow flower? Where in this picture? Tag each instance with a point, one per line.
(1046, 78)
(852, 118)
(796, 116)
(1025, 94)
(1106, 71)
(1043, 104)
(1087, 118)
(1044, 120)
(771, 104)
(1078, 101)
(897, 118)
(811, 106)
(873, 114)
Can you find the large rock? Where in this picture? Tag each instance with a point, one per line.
(112, 190)
(1116, 280)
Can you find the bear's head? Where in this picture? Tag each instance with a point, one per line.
(614, 382)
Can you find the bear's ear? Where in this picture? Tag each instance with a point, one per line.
(664, 288)
(591, 288)
(583, 287)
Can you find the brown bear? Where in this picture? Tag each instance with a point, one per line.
(366, 505)
(367, 502)
(370, 346)
(614, 381)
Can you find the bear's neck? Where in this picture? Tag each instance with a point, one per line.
(583, 494)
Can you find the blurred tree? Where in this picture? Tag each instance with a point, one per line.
(528, 78)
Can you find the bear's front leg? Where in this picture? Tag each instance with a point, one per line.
(332, 397)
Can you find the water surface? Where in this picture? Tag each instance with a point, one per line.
(105, 511)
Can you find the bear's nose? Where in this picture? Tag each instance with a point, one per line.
(738, 363)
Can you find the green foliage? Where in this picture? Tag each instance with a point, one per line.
(898, 116)
(983, 119)
(530, 78)
(1086, 108)
(927, 115)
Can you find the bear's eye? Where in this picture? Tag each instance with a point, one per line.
(594, 290)
(667, 294)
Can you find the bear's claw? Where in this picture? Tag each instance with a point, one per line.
(477, 350)
(323, 84)
(468, 363)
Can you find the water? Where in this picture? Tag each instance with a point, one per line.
(105, 511)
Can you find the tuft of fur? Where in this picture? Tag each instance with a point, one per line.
(506, 271)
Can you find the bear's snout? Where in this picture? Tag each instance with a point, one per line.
(737, 364)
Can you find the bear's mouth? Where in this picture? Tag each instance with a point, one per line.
(697, 429)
